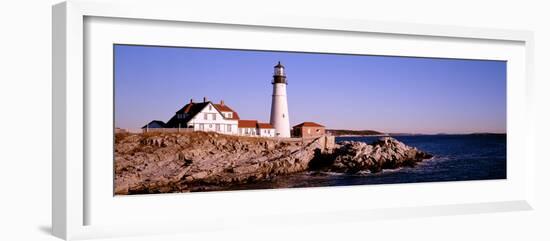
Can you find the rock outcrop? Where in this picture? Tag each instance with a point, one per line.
(386, 153)
(182, 162)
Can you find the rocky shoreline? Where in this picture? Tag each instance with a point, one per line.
(183, 162)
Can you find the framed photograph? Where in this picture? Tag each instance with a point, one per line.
(177, 121)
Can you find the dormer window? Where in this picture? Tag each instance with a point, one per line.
(229, 115)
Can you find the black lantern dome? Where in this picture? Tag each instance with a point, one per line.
(279, 74)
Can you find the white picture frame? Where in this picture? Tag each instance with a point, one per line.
(72, 192)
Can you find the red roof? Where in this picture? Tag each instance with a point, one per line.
(225, 108)
(265, 126)
(248, 123)
(309, 124)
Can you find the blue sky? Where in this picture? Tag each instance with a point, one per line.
(385, 93)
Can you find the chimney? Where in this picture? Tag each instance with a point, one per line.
(221, 102)
(191, 101)
(204, 99)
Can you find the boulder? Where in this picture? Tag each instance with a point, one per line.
(386, 153)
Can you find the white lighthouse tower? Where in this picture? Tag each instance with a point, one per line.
(279, 105)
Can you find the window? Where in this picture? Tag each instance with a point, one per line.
(209, 107)
(230, 115)
(228, 128)
(205, 116)
(214, 116)
(209, 125)
(218, 127)
(201, 127)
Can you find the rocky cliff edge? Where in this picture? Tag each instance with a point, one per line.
(182, 162)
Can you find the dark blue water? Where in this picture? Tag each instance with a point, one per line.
(456, 158)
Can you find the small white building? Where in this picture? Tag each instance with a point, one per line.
(266, 130)
(254, 128)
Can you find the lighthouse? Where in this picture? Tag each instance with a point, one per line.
(279, 105)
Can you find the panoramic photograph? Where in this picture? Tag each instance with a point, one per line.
(202, 119)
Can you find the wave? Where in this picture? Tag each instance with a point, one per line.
(323, 173)
(393, 170)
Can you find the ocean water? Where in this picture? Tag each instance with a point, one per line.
(456, 158)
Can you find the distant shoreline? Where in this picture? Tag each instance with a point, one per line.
(344, 132)
(374, 135)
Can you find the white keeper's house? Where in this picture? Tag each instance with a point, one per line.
(208, 116)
